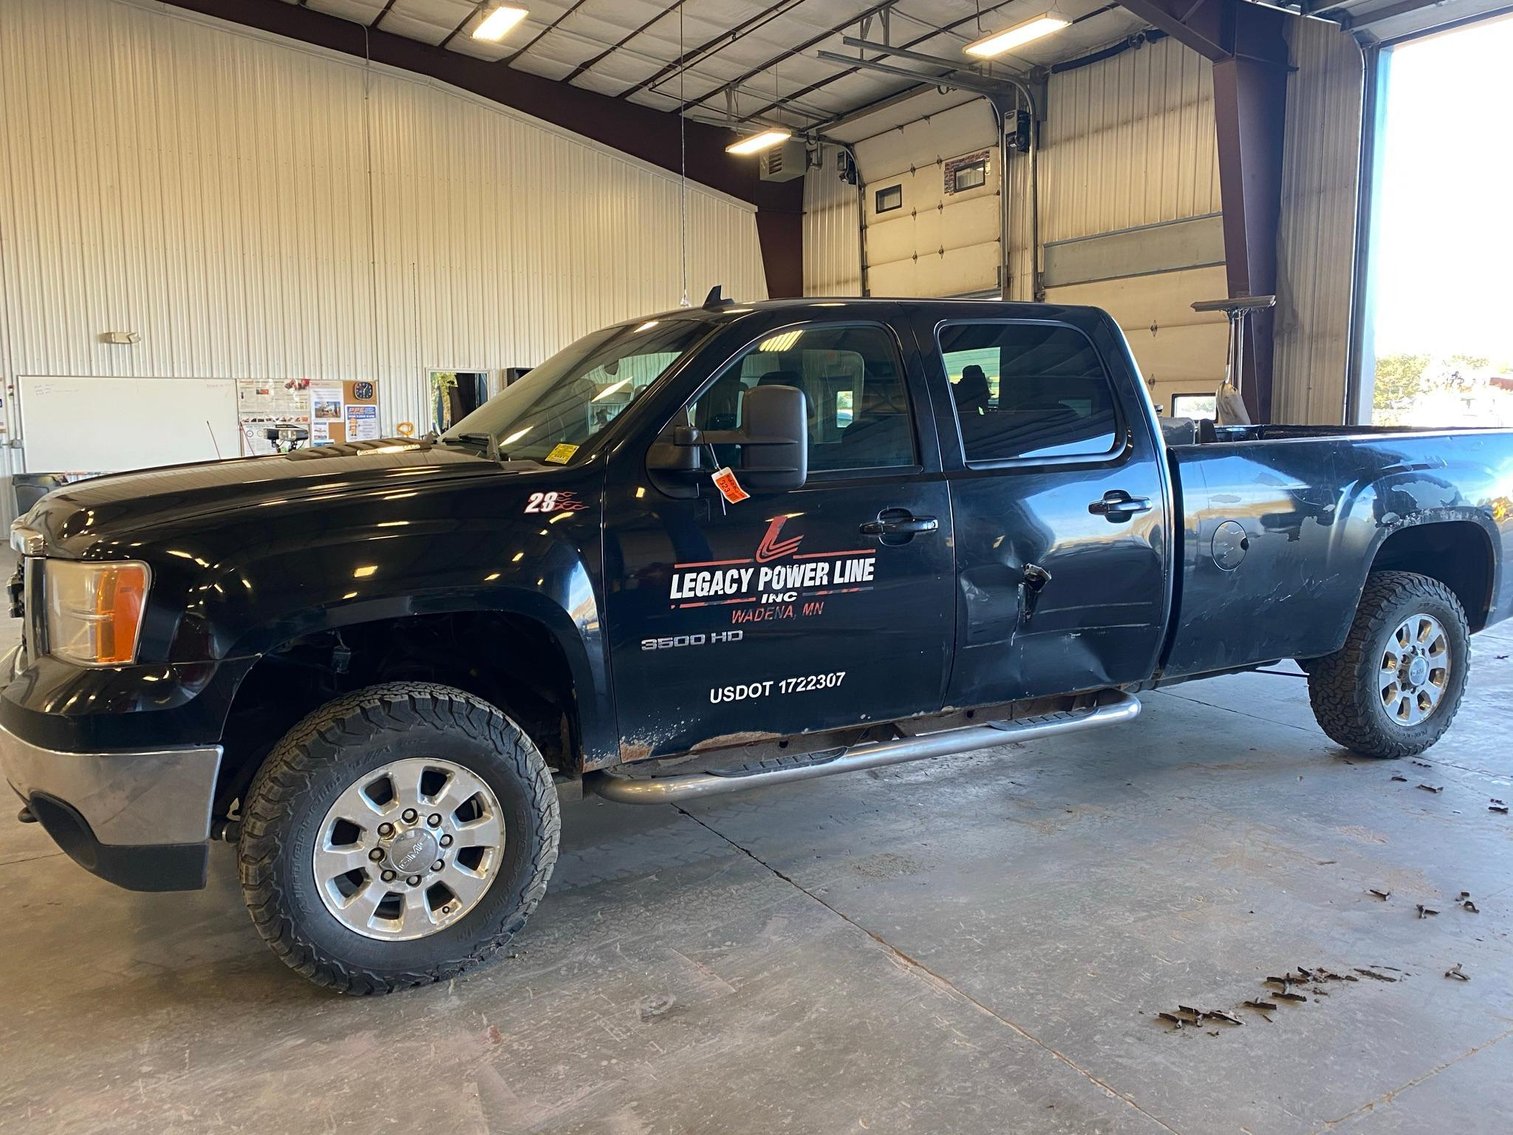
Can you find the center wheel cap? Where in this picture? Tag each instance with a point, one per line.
(412, 852)
(1418, 672)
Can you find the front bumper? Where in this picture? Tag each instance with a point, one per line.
(137, 818)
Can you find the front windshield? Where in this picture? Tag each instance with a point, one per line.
(569, 399)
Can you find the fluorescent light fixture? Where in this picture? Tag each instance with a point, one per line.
(756, 143)
(1017, 36)
(498, 23)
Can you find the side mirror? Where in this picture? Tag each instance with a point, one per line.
(774, 441)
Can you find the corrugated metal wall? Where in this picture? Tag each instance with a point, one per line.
(832, 230)
(1317, 238)
(210, 188)
(1130, 142)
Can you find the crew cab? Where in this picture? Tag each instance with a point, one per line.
(705, 550)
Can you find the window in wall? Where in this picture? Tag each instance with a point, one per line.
(886, 200)
(1194, 406)
(969, 176)
(1026, 390)
(854, 393)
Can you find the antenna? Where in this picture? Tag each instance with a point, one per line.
(714, 301)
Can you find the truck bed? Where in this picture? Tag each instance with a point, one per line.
(1278, 526)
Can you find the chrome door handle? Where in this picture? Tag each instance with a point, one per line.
(900, 525)
(1116, 505)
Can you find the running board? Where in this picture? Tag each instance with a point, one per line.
(1115, 708)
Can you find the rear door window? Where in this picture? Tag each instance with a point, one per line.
(1028, 390)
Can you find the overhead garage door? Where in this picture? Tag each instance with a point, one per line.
(931, 220)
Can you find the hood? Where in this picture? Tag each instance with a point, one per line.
(74, 518)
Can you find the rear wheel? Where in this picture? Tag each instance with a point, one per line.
(397, 836)
(1395, 686)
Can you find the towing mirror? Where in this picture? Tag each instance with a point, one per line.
(774, 441)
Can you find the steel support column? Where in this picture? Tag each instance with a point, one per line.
(1249, 103)
(1246, 45)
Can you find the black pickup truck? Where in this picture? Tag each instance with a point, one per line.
(697, 552)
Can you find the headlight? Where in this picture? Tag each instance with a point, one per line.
(94, 611)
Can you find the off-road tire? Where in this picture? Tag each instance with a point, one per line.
(317, 759)
(1343, 689)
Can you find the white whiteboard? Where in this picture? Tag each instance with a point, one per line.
(105, 425)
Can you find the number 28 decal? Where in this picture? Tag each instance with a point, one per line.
(554, 502)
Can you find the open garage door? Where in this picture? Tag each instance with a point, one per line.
(1437, 342)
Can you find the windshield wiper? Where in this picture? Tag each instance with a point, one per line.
(489, 442)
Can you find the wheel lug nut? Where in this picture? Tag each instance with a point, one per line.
(446, 841)
(438, 865)
(388, 876)
(386, 830)
(410, 815)
(413, 880)
(434, 819)
(375, 855)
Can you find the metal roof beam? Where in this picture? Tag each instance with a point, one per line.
(946, 79)
(851, 63)
(712, 46)
(589, 64)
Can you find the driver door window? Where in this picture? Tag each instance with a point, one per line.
(852, 380)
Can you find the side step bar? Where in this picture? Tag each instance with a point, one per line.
(1115, 708)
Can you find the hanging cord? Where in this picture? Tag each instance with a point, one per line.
(683, 164)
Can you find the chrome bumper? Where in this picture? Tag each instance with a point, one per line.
(126, 798)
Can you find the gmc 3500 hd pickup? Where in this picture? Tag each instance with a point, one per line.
(701, 551)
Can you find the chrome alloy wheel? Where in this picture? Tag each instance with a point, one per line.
(409, 849)
(1415, 669)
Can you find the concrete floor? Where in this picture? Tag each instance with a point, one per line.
(977, 944)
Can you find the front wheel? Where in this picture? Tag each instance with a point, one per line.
(397, 836)
(1395, 686)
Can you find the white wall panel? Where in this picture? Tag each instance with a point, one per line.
(257, 208)
(1316, 239)
(1129, 141)
(832, 230)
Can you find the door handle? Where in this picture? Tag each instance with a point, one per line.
(897, 522)
(1116, 505)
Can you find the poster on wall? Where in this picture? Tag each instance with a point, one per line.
(362, 423)
(344, 412)
(270, 404)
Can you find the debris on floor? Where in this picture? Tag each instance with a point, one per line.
(1383, 895)
(1456, 972)
(1498, 806)
(1432, 788)
(1404, 779)
(1375, 975)
(1311, 978)
(1423, 764)
(1425, 911)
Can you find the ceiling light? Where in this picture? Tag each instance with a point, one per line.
(1017, 36)
(497, 24)
(756, 143)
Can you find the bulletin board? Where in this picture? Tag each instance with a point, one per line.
(343, 411)
(106, 425)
